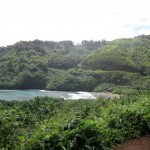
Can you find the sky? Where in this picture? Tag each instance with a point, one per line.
(76, 20)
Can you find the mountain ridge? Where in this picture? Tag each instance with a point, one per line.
(89, 66)
(132, 55)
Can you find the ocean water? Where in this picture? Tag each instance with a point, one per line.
(30, 94)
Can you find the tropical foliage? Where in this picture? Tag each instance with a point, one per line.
(56, 124)
(124, 65)
(25, 63)
(132, 55)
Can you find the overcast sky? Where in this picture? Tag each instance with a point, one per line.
(76, 20)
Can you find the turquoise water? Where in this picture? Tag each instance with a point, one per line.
(30, 94)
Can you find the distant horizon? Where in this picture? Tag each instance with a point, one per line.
(75, 43)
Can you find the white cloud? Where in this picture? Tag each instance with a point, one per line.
(72, 19)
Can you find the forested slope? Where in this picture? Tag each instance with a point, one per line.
(132, 55)
(114, 66)
(31, 64)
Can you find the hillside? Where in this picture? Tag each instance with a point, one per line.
(118, 66)
(30, 64)
(131, 55)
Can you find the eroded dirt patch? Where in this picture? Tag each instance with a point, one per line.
(142, 143)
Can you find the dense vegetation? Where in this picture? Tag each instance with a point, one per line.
(56, 124)
(33, 64)
(119, 66)
(132, 55)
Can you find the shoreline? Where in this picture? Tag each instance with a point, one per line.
(66, 95)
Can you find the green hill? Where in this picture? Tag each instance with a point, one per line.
(118, 66)
(34, 64)
(132, 55)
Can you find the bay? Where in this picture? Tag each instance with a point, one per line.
(30, 94)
